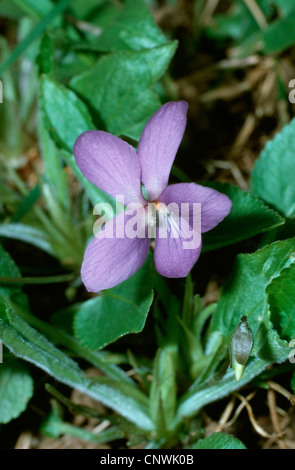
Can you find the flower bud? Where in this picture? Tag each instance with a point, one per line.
(241, 344)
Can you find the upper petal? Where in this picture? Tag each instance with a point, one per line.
(158, 145)
(215, 206)
(110, 260)
(109, 163)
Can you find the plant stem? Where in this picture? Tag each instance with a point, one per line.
(57, 428)
(38, 280)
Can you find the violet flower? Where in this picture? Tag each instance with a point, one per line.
(115, 167)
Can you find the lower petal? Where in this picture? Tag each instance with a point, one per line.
(177, 252)
(112, 257)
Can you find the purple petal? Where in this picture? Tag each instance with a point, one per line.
(158, 145)
(108, 260)
(215, 206)
(177, 252)
(109, 163)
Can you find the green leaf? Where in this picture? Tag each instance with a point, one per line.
(238, 23)
(248, 217)
(272, 178)
(28, 234)
(163, 394)
(16, 389)
(8, 268)
(280, 34)
(268, 345)
(9, 10)
(36, 10)
(26, 204)
(58, 105)
(219, 440)
(281, 297)
(244, 293)
(53, 166)
(27, 343)
(194, 400)
(285, 6)
(45, 59)
(94, 9)
(132, 28)
(34, 34)
(119, 87)
(115, 312)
